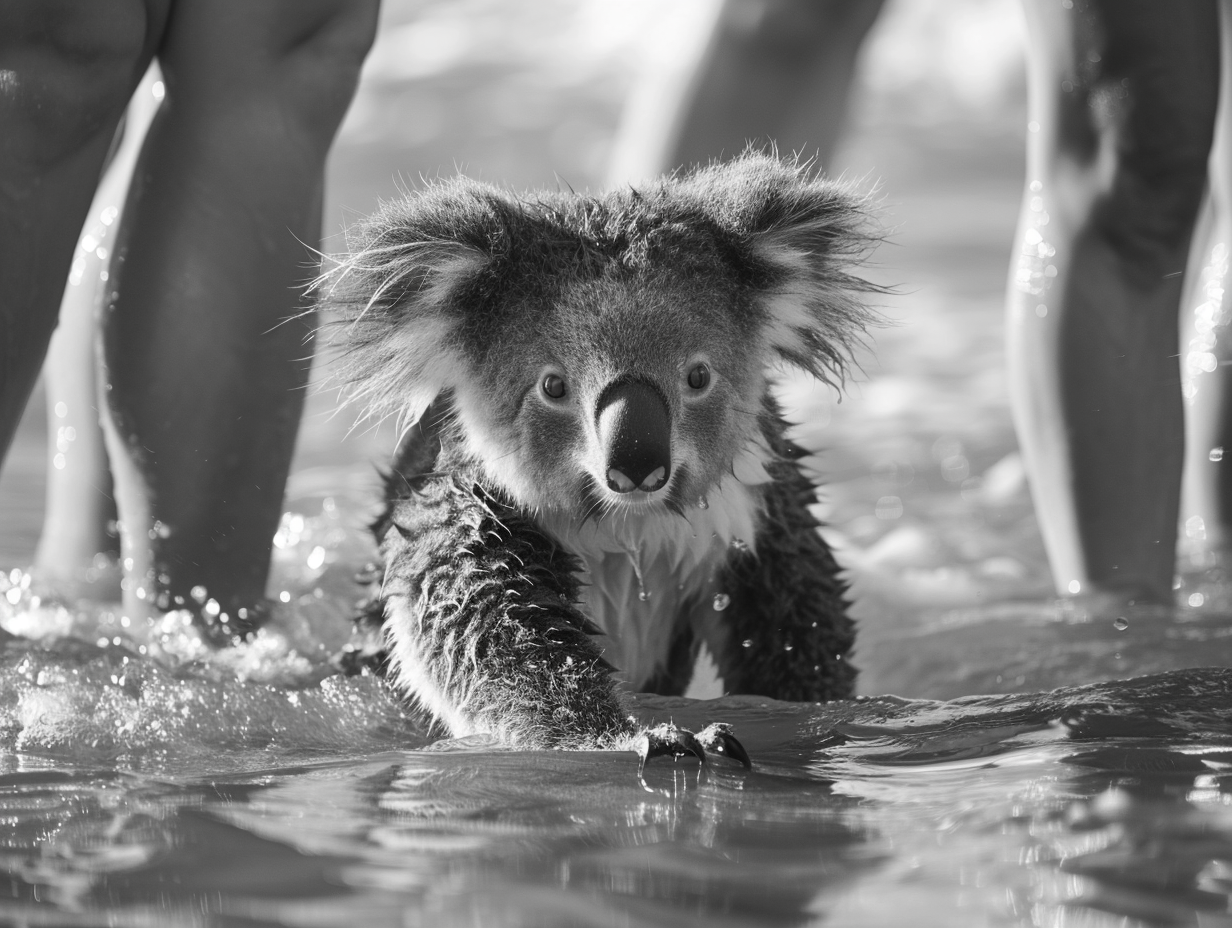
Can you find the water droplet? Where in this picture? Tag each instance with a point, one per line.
(199, 593)
(788, 647)
(721, 602)
(1120, 623)
(284, 596)
(889, 507)
(739, 544)
(1074, 586)
(1196, 600)
(1216, 454)
(316, 558)
(637, 572)
(703, 503)
(747, 643)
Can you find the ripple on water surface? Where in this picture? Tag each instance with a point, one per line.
(175, 787)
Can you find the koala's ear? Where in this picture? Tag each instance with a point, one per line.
(800, 236)
(394, 303)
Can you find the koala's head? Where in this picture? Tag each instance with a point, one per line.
(603, 353)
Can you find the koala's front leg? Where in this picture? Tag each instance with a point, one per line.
(482, 626)
(787, 632)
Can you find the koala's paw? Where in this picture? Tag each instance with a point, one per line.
(671, 740)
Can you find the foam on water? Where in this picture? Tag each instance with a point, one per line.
(79, 679)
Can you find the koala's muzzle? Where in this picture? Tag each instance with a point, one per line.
(635, 430)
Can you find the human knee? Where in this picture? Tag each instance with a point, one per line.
(67, 70)
(1151, 93)
(300, 60)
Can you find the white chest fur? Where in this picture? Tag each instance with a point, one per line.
(644, 571)
(639, 604)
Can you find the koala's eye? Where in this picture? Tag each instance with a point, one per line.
(699, 377)
(553, 386)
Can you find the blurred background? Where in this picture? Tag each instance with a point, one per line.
(924, 491)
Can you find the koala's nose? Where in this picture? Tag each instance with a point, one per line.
(636, 431)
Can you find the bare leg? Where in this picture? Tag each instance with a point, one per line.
(771, 71)
(67, 71)
(1122, 103)
(1205, 512)
(79, 496)
(205, 372)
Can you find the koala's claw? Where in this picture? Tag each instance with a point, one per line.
(717, 738)
(668, 739)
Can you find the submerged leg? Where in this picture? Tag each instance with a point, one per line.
(1122, 108)
(1206, 501)
(67, 70)
(80, 502)
(206, 344)
(785, 629)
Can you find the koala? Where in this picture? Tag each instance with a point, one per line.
(595, 478)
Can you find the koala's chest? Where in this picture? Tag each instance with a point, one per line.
(641, 602)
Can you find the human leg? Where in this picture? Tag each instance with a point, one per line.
(1206, 500)
(67, 71)
(206, 348)
(1122, 108)
(771, 71)
(80, 503)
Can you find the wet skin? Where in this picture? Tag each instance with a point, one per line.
(204, 373)
(1123, 97)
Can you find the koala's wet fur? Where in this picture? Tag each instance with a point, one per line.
(595, 478)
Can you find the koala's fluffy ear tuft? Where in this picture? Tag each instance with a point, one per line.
(396, 303)
(800, 235)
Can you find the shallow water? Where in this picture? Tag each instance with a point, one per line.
(147, 779)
